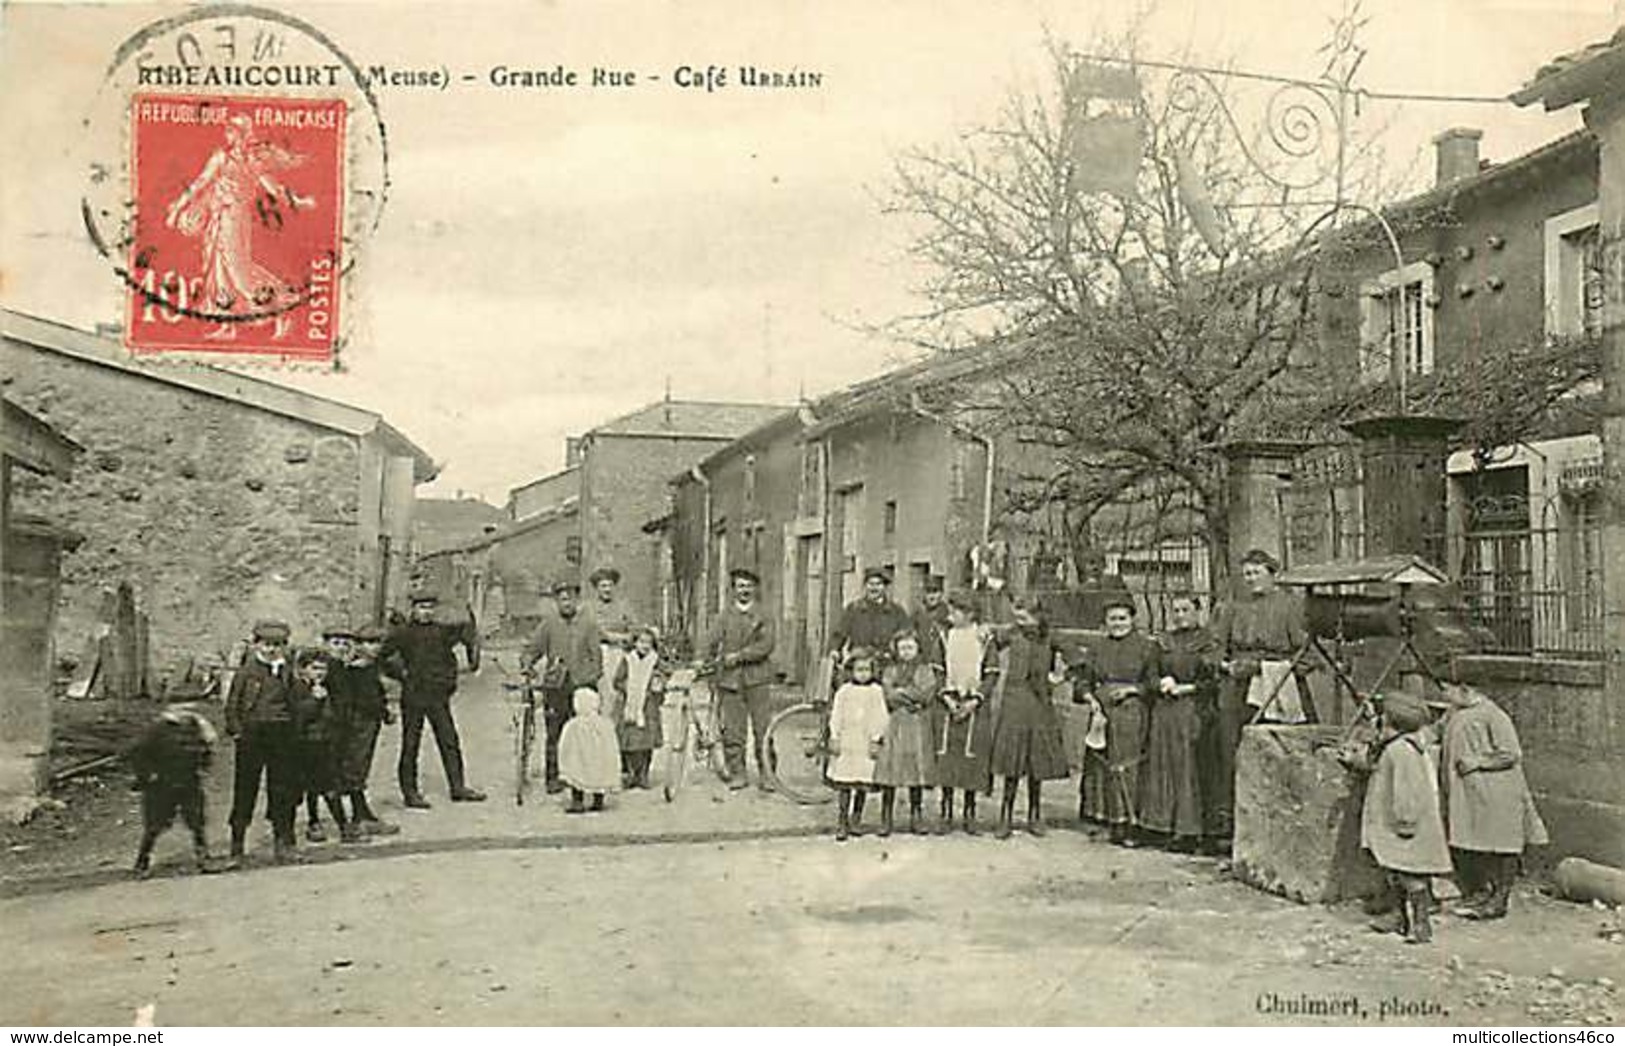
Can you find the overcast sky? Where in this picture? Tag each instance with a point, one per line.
(548, 260)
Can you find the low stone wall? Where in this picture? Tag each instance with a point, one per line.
(1297, 829)
(1573, 734)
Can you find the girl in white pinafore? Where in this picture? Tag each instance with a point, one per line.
(857, 729)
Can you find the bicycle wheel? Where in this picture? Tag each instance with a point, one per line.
(676, 768)
(796, 753)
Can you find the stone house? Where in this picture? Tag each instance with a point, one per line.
(442, 522)
(1495, 254)
(503, 574)
(615, 478)
(31, 550)
(222, 497)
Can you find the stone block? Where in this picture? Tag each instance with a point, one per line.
(1297, 829)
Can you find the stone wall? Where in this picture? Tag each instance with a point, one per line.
(625, 484)
(216, 512)
(1572, 734)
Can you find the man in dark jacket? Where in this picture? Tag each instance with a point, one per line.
(741, 644)
(260, 716)
(421, 654)
(872, 621)
(568, 644)
(931, 621)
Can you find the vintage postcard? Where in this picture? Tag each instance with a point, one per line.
(758, 514)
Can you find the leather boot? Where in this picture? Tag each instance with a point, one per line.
(1035, 815)
(1418, 905)
(859, 799)
(1007, 812)
(1497, 892)
(843, 827)
(945, 812)
(888, 806)
(238, 840)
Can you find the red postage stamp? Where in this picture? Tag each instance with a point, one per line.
(238, 225)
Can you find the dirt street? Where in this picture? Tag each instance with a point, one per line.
(724, 908)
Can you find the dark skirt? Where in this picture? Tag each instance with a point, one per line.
(645, 738)
(1112, 777)
(1170, 794)
(908, 758)
(963, 749)
(1027, 739)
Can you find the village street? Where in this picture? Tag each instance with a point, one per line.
(495, 914)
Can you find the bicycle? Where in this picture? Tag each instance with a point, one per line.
(524, 730)
(797, 752)
(698, 734)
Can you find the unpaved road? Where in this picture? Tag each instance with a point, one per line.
(798, 931)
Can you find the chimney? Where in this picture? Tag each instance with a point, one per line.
(1457, 152)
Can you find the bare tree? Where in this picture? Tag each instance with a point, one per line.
(1140, 349)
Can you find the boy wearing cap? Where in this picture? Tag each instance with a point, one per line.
(363, 710)
(569, 646)
(337, 641)
(1401, 823)
(741, 644)
(421, 654)
(260, 717)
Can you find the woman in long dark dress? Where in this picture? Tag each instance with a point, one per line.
(1170, 793)
(1026, 731)
(960, 723)
(1123, 674)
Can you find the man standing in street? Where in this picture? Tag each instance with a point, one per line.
(872, 621)
(741, 643)
(931, 622)
(260, 716)
(421, 655)
(567, 642)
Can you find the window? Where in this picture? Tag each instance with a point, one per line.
(1397, 303)
(1574, 286)
(812, 479)
(889, 524)
(572, 550)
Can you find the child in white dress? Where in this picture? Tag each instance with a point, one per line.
(857, 729)
(589, 753)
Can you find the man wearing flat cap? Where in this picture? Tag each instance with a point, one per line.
(931, 620)
(568, 647)
(421, 654)
(260, 716)
(741, 644)
(872, 620)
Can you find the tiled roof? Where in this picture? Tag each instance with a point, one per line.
(691, 418)
(1573, 77)
(440, 522)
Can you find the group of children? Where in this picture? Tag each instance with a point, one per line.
(1445, 797)
(304, 723)
(900, 722)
